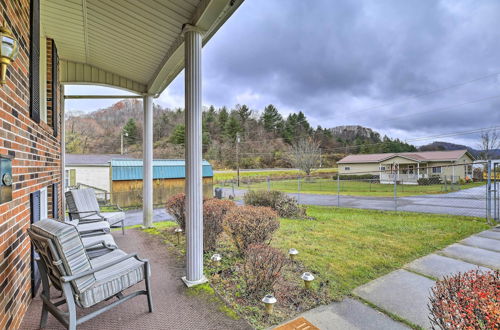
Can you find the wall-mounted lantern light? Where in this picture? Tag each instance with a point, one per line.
(8, 52)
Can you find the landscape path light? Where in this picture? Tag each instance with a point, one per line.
(8, 51)
(308, 278)
(216, 258)
(292, 253)
(178, 232)
(269, 302)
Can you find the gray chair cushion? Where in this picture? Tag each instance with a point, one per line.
(101, 226)
(68, 243)
(112, 280)
(80, 200)
(93, 239)
(113, 217)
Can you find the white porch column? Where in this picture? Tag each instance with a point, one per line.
(147, 154)
(62, 190)
(193, 146)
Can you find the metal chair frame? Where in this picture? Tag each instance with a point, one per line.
(56, 274)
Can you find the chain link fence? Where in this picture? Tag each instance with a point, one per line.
(459, 189)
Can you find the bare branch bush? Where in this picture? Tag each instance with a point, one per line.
(304, 155)
(490, 141)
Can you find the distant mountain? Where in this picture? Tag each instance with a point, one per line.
(441, 145)
(351, 133)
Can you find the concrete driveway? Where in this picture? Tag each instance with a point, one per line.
(468, 202)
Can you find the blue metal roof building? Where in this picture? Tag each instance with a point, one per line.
(123, 169)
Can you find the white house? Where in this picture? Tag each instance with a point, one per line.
(408, 167)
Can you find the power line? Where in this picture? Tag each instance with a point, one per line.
(422, 138)
(447, 108)
(426, 93)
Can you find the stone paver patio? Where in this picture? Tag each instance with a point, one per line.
(173, 309)
(405, 292)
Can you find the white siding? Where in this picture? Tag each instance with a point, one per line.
(95, 176)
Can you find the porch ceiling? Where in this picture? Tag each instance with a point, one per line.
(136, 45)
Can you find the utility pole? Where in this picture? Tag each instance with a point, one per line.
(121, 140)
(238, 157)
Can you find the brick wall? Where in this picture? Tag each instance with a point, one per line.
(35, 164)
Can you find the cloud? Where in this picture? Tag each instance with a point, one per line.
(359, 62)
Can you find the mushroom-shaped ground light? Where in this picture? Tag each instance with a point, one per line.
(178, 232)
(308, 278)
(292, 253)
(216, 258)
(269, 302)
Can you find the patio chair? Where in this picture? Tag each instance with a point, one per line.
(83, 282)
(83, 206)
(91, 228)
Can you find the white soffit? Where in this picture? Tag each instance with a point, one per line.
(134, 45)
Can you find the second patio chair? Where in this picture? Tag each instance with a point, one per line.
(84, 208)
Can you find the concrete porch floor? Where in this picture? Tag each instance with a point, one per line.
(173, 309)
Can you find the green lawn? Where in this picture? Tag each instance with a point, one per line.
(355, 188)
(231, 175)
(345, 248)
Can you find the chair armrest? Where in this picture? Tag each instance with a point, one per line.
(115, 205)
(97, 269)
(90, 213)
(95, 244)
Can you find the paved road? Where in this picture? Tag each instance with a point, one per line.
(468, 202)
(134, 217)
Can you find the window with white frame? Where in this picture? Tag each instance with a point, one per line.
(44, 206)
(347, 168)
(382, 168)
(436, 170)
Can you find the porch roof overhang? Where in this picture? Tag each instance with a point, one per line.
(401, 156)
(133, 45)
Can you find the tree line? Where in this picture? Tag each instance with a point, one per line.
(266, 138)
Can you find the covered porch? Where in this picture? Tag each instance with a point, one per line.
(402, 170)
(140, 47)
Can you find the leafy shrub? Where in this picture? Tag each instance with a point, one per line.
(247, 225)
(176, 206)
(355, 177)
(214, 211)
(429, 181)
(467, 301)
(285, 205)
(478, 174)
(262, 268)
(262, 198)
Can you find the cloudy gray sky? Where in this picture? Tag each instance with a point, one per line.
(405, 68)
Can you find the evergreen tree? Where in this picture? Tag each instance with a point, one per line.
(178, 135)
(131, 132)
(210, 114)
(244, 113)
(271, 118)
(223, 116)
(232, 128)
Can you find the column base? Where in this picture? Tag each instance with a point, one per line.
(190, 284)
